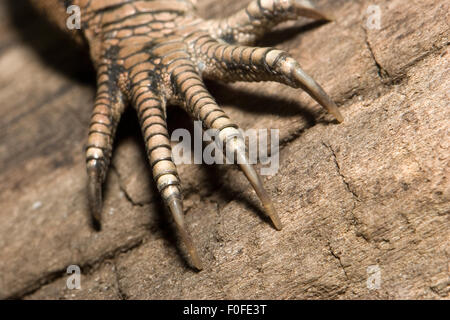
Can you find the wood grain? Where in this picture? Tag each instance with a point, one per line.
(371, 191)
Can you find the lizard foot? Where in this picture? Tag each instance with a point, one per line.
(152, 53)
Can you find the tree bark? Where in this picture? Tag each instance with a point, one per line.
(364, 204)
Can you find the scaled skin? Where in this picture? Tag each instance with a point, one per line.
(148, 54)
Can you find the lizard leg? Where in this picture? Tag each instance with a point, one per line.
(150, 107)
(250, 24)
(240, 63)
(202, 106)
(109, 106)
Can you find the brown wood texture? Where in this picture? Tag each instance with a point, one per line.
(372, 191)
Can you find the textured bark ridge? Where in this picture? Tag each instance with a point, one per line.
(364, 203)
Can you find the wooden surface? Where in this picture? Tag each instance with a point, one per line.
(372, 191)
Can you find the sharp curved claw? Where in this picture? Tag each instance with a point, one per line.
(176, 208)
(316, 92)
(306, 9)
(255, 180)
(95, 195)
